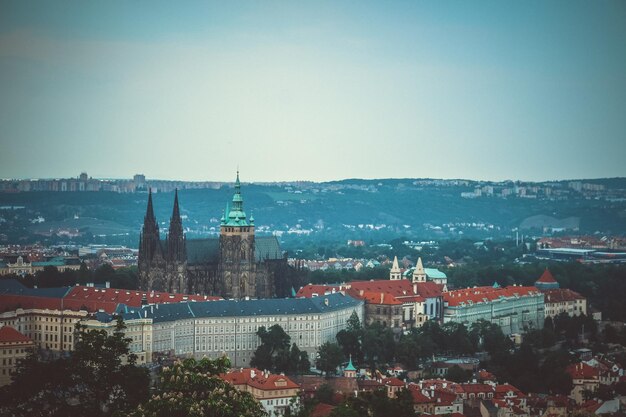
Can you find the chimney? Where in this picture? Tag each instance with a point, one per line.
(382, 297)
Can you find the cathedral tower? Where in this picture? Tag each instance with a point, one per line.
(176, 253)
(237, 265)
(151, 261)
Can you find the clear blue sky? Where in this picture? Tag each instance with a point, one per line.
(530, 90)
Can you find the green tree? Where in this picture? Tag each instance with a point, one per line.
(329, 358)
(274, 352)
(100, 378)
(379, 344)
(324, 394)
(350, 339)
(193, 388)
(458, 374)
(84, 274)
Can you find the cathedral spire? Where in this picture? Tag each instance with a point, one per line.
(149, 210)
(176, 211)
(149, 241)
(175, 238)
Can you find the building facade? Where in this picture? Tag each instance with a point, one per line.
(513, 308)
(215, 328)
(14, 346)
(560, 300)
(238, 264)
(276, 393)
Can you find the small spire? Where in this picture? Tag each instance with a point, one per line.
(395, 266)
(350, 366)
(395, 272)
(176, 211)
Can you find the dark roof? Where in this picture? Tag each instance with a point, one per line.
(201, 251)
(234, 308)
(14, 287)
(266, 247)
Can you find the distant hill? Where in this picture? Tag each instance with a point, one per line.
(338, 210)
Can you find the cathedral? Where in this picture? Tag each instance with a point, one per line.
(238, 264)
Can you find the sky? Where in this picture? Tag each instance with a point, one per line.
(320, 90)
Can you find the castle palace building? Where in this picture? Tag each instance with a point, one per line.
(238, 264)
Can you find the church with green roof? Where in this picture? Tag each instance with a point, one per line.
(237, 265)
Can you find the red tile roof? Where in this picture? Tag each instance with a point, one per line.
(392, 382)
(257, 379)
(503, 389)
(107, 299)
(308, 290)
(477, 388)
(9, 335)
(419, 398)
(479, 295)
(94, 299)
(13, 302)
(397, 288)
(376, 297)
(558, 295)
(429, 289)
(582, 371)
(547, 277)
(322, 410)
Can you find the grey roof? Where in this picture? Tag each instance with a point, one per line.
(240, 308)
(14, 287)
(266, 247)
(202, 251)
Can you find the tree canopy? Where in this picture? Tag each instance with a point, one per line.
(275, 353)
(100, 378)
(193, 388)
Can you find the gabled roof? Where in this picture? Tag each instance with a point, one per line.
(392, 382)
(558, 295)
(266, 247)
(582, 371)
(376, 297)
(107, 299)
(202, 251)
(310, 289)
(397, 288)
(478, 295)
(260, 380)
(9, 335)
(429, 289)
(503, 389)
(9, 302)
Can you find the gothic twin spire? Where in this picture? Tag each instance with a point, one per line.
(150, 240)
